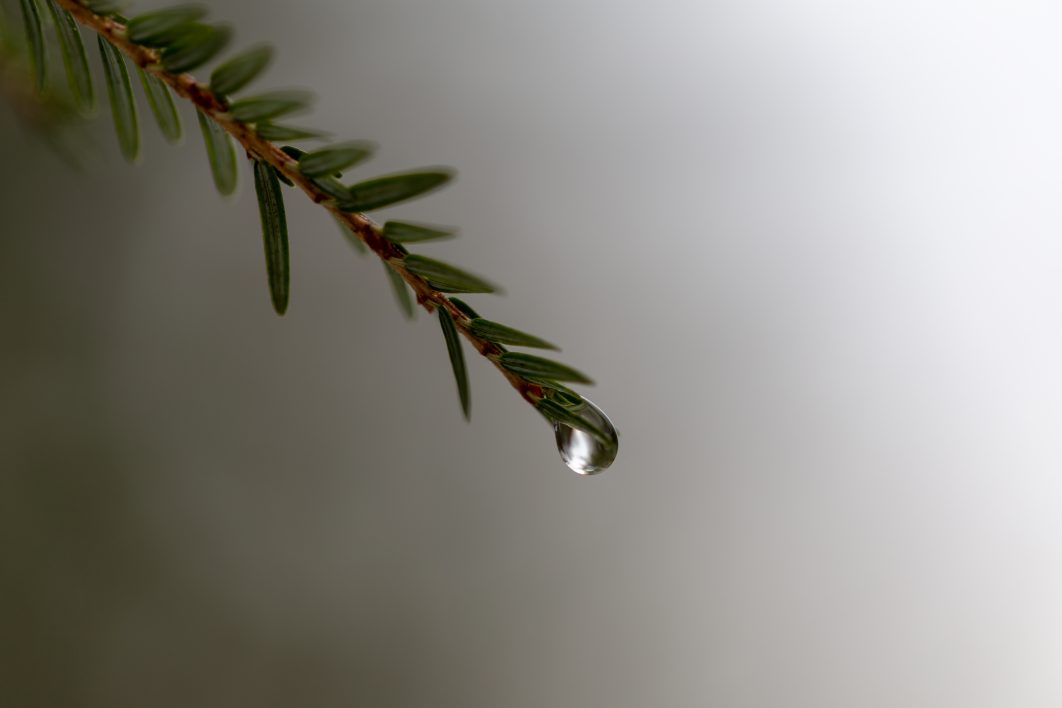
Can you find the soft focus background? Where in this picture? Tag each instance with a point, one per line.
(809, 250)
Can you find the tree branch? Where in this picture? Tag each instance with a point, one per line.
(216, 108)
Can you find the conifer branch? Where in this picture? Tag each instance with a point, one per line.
(165, 46)
(189, 88)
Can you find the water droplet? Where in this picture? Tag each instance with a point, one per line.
(582, 452)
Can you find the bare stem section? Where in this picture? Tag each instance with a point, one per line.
(206, 101)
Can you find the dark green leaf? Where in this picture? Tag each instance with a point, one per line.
(564, 396)
(560, 414)
(331, 186)
(464, 307)
(536, 367)
(104, 7)
(269, 105)
(384, 191)
(274, 233)
(334, 158)
(271, 131)
(328, 184)
(120, 92)
(220, 153)
(240, 70)
(161, 102)
(356, 242)
(501, 334)
(198, 45)
(446, 278)
(402, 292)
(559, 393)
(31, 17)
(162, 27)
(74, 58)
(457, 358)
(404, 232)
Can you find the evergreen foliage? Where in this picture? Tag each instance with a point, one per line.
(162, 47)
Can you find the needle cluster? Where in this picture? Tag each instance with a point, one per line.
(159, 49)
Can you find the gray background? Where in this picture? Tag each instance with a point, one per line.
(809, 250)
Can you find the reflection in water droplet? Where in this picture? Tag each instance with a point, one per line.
(582, 452)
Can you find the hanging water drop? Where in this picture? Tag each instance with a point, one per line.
(584, 453)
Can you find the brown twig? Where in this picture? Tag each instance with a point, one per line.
(206, 101)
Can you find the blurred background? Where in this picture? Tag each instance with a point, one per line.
(809, 251)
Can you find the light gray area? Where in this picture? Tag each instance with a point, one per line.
(809, 250)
